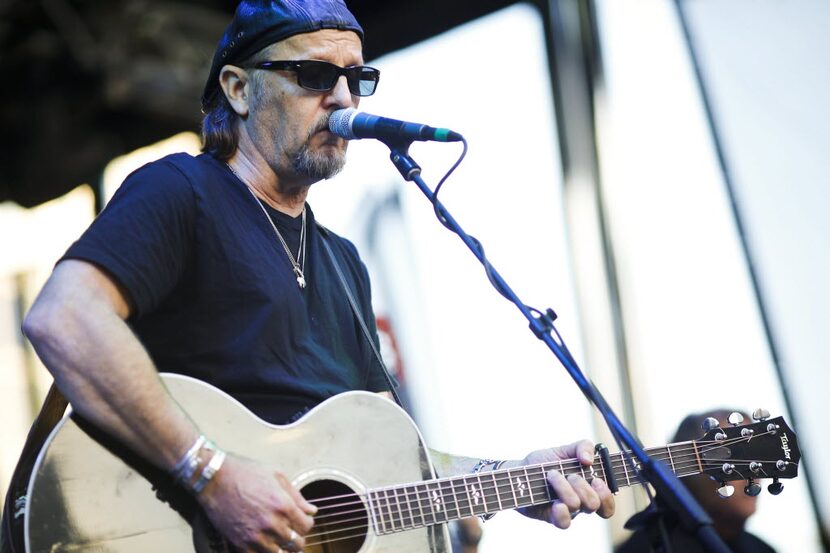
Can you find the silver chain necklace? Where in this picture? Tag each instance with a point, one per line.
(299, 270)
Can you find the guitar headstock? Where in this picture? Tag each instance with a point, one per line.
(767, 448)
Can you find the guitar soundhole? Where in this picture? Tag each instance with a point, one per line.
(341, 523)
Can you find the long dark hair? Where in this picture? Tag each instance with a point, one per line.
(220, 134)
(220, 124)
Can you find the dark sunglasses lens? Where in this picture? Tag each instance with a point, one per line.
(367, 81)
(317, 75)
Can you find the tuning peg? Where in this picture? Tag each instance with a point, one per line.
(760, 414)
(725, 490)
(752, 488)
(776, 487)
(735, 418)
(709, 423)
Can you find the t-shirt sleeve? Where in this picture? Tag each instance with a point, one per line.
(143, 238)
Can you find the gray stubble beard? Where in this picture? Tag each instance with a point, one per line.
(316, 165)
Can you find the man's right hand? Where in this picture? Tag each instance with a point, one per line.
(256, 508)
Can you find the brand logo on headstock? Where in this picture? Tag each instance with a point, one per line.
(785, 445)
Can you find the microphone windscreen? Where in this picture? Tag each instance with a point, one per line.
(340, 123)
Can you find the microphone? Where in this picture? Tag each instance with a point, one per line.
(352, 124)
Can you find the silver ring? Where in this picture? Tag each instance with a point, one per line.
(290, 545)
(574, 513)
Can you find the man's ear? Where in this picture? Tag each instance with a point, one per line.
(234, 82)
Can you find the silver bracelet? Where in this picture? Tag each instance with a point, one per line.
(184, 470)
(209, 471)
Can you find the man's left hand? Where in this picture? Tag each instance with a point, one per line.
(574, 494)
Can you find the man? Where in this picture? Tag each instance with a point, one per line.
(214, 267)
(729, 516)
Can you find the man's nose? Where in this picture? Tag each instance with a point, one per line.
(341, 95)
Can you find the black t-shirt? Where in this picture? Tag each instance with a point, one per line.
(214, 295)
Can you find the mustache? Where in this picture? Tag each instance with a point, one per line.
(321, 125)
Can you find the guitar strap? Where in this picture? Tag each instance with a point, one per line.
(11, 533)
(324, 233)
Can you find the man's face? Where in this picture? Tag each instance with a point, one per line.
(289, 124)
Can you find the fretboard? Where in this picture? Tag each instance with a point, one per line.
(416, 505)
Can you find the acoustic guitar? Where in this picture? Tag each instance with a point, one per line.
(357, 456)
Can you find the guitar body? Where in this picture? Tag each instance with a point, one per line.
(88, 495)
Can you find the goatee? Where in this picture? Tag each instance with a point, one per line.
(317, 165)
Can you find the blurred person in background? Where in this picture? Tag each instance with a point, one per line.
(728, 515)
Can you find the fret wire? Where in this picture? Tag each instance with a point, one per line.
(625, 467)
(448, 497)
(389, 507)
(432, 505)
(469, 495)
(697, 455)
(671, 461)
(512, 489)
(455, 498)
(380, 512)
(428, 499)
(372, 511)
(527, 491)
(510, 499)
(420, 506)
(440, 503)
(398, 503)
(409, 508)
(529, 487)
(483, 493)
(498, 495)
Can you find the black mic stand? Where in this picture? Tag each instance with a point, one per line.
(674, 497)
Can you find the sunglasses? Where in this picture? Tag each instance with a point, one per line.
(321, 76)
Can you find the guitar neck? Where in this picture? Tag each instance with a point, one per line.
(416, 505)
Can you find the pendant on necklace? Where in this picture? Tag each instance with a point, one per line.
(300, 277)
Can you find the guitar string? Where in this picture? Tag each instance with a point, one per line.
(397, 516)
(489, 490)
(495, 486)
(695, 449)
(448, 507)
(364, 527)
(567, 465)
